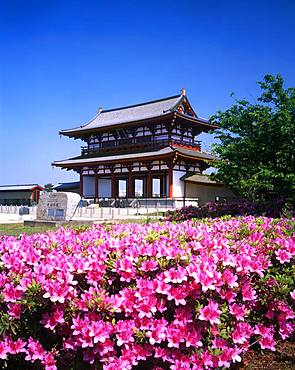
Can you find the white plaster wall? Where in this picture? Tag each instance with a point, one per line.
(88, 186)
(207, 193)
(104, 188)
(177, 184)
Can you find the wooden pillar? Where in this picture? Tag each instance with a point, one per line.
(170, 175)
(130, 193)
(184, 192)
(149, 184)
(113, 184)
(96, 188)
(81, 184)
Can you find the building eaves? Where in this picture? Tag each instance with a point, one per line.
(112, 158)
(198, 178)
(19, 187)
(194, 153)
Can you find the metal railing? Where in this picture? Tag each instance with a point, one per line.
(123, 202)
(127, 208)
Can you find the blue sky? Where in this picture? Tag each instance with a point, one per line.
(61, 60)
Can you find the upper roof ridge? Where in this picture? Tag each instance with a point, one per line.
(140, 104)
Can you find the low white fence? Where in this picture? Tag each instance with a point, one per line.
(112, 208)
(124, 208)
(17, 209)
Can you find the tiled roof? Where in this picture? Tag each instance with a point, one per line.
(112, 157)
(130, 113)
(195, 153)
(201, 179)
(18, 187)
(119, 157)
(66, 185)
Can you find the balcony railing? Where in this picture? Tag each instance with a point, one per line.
(136, 143)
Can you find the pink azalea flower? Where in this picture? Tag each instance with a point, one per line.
(16, 347)
(124, 332)
(283, 256)
(249, 294)
(242, 333)
(262, 330)
(3, 350)
(267, 342)
(178, 295)
(238, 311)
(14, 310)
(227, 356)
(12, 293)
(210, 313)
(229, 278)
(35, 351)
(150, 265)
(175, 275)
(157, 332)
(51, 321)
(49, 362)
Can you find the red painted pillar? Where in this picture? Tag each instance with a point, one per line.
(149, 184)
(81, 184)
(96, 188)
(170, 175)
(130, 184)
(113, 185)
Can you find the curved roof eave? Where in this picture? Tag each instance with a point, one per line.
(81, 131)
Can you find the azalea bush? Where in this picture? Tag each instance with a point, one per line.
(241, 207)
(191, 295)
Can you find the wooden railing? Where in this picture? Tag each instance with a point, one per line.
(140, 142)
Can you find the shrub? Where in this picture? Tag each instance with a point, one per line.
(235, 208)
(159, 296)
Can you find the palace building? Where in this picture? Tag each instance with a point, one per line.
(144, 150)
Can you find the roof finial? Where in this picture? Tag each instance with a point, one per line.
(183, 91)
(100, 110)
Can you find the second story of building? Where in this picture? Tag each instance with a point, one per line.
(143, 127)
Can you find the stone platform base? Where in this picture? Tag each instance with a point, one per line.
(57, 223)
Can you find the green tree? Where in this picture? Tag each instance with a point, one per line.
(48, 187)
(256, 144)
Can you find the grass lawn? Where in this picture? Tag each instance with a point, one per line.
(16, 229)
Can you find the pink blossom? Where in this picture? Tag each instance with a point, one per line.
(15, 347)
(124, 296)
(3, 350)
(175, 275)
(12, 293)
(50, 321)
(283, 256)
(238, 311)
(35, 350)
(242, 333)
(267, 342)
(249, 294)
(229, 278)
(124, 332)
(210, 313)
(49, 362)
(229, 355)
(14, 310)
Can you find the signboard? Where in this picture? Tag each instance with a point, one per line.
(57, 206)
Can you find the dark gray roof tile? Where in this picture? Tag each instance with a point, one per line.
(131, 113)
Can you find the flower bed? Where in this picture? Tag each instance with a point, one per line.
(159, 296)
